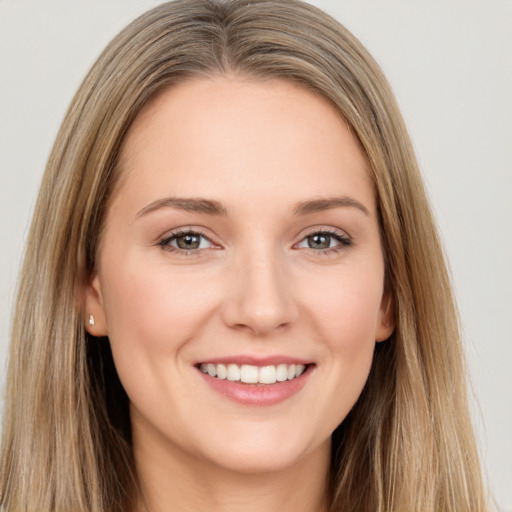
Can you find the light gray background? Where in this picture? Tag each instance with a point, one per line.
(450, 64)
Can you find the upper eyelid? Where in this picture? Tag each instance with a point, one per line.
(165, 242)
(182, 231)
(330, 231)
(200, 231)
(344, 239)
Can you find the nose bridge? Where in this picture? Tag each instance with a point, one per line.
(260, 296)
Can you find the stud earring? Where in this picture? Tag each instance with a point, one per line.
(91, 320)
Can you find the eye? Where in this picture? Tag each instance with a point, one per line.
(186, 241)
(325, 241)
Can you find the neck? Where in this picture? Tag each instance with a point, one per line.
(172, 480)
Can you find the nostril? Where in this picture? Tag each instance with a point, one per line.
(259, 299)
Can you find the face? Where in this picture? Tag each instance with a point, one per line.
(240, 276)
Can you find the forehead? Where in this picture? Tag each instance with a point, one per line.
(240, 136)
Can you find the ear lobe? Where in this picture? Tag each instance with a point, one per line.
(94, 312)
(386, 322)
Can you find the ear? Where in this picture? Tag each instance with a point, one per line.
(93, 305)
(386, 320)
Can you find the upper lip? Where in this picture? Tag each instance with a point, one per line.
(255, 360)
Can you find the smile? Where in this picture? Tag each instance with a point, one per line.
(250, 374)
(256, 382)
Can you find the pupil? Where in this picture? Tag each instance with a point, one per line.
(188, 242)
(318, 241)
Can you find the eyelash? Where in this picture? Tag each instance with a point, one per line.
(164, 243)
(343, 239)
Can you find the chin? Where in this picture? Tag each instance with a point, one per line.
(265, 451)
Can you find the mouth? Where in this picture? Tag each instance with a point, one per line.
(251, 374)
(260, 384)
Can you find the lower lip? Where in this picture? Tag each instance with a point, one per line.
(257, 394)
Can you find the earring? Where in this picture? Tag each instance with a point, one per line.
(91, 320)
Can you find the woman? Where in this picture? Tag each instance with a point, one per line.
(235, 296)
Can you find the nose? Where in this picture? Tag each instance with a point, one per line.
(260, 297)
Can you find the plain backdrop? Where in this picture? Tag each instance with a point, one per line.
(450, 64)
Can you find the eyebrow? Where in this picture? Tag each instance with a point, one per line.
(197, 205)
(212, 207)
(320, 205)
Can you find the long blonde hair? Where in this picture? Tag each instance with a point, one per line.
(407, 445)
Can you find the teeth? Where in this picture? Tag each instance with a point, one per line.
(268, 375)
(222, 371)
(282, 373)
(254, 374)
(249, 374)
(212, 371)
(233, 372)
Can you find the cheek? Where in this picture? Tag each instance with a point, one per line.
(151, 313)
(152, 316)
(348, 311)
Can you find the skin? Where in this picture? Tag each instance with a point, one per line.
(255, 286)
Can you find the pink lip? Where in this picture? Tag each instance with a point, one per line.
(257, 394)
(255, 360)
